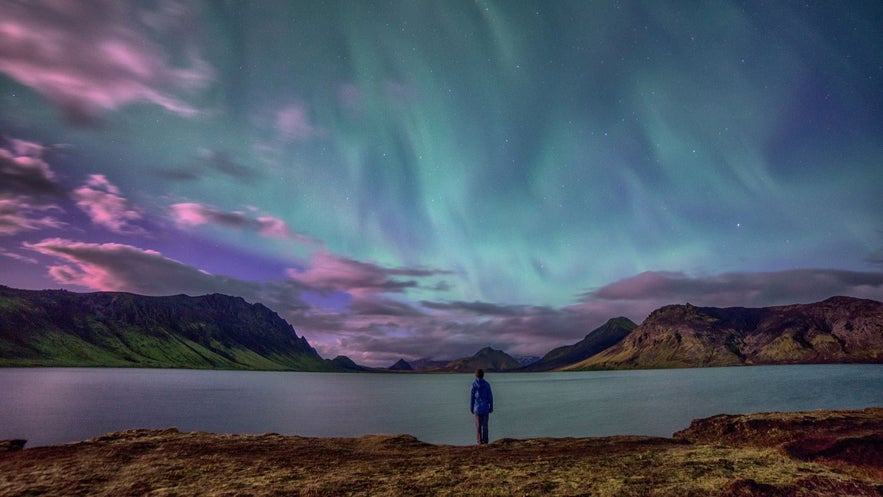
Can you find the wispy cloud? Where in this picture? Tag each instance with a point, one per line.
(121, 267)
(190, 214)
(89, 57)
(327, 272)
(102, 201)
(17, 257)
(23, 171)
(28, 189)
(210, 163)
(293, 123)
(742, 289)
(17, 215)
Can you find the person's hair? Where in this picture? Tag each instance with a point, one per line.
(479, 373)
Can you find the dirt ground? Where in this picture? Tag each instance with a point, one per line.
(789, 454)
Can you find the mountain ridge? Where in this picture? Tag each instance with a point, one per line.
(597, 340)
(119, 329)
(836, 330)
(215, 331)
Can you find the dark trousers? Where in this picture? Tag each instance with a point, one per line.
(481, 428)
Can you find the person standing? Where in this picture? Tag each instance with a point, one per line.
(481, 404)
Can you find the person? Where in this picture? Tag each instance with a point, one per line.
(481, 404)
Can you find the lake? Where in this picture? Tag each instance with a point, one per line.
(49, 406)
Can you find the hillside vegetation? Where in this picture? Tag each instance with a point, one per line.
(837, 330)
(61, 328)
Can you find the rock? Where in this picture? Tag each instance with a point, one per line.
(12, 445)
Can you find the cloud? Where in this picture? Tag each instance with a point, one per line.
(293, 124)
(478, 308)
(23, 171)
(18, 257)
(93, 56)
(101, 200)
(27, 188)
(639, 295)
(208, 162)
(17, 215)
(327, 272)
(189, 214)
(120, 267)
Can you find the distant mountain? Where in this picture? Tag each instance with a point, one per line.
(344, 363)
(837, 330)
(61, 328)
(603, 337)
(487, 358)
(526, 360)
(401, 365)
(427, 364)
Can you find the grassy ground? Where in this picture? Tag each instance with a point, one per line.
(796, 454)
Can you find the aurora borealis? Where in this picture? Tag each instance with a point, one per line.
(425, 178)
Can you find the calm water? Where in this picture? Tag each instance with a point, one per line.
(51, 406)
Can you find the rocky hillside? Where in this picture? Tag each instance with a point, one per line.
(603, 337)
(837, 330)
(61, 328)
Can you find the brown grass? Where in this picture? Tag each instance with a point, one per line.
(166, 462)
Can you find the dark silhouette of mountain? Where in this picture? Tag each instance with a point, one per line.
(526, 360)
(62, 328)
(401, 365)
(487, 358)
(344, 363)
(837, 330)
(603, 337)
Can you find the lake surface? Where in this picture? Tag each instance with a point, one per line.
(51, 406)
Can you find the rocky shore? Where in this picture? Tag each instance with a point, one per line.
(788, 454)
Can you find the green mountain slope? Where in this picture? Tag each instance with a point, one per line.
(61, 328)
(603, 337)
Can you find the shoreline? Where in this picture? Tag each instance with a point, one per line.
(794, 453)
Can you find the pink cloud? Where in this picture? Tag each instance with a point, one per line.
(27, 184)
(23, 171)
(293, 123)
(190, 214)
(101, 200)
(272, 227)
(17, 257)
(187, 214)
(92, 57)
(121, 267)
(328, 273)
(17, 215)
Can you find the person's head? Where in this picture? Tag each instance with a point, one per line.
(479, 373)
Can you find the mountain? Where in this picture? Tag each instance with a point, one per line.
(344, 363)
(526, 360)
(603, 337)
(837, 330)
(401, 365)
(487, 358)
(62, 328)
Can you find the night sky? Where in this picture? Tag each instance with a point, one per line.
(422, 179)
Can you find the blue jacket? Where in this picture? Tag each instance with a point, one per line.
(482, 399)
